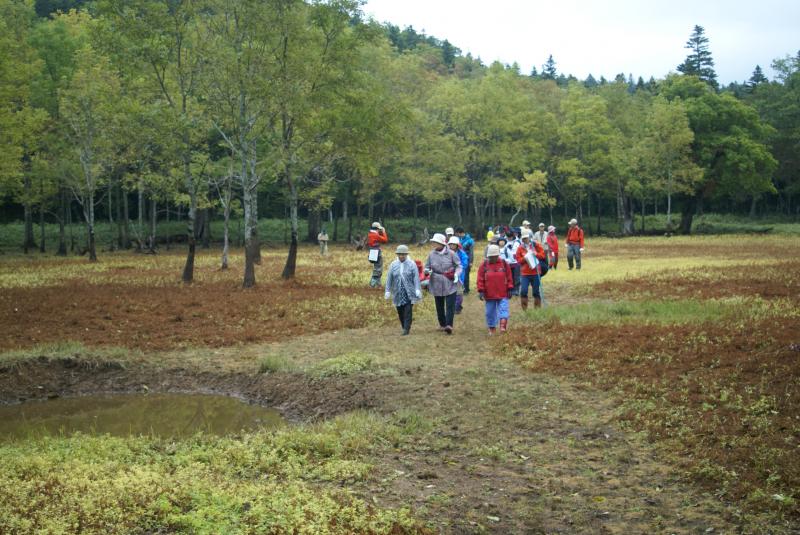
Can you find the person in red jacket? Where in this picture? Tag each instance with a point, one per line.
(574, 244)
(495, 283)
(552, 242)
(529, 274)
(377, 236)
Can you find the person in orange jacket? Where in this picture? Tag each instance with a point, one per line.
(574, 244)
(529, 273)
(552, 241)
(377, 236)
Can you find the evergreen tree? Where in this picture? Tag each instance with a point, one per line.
(640, 84)
(534, 72)
(590, 82)
(699, 62)
(549, 69)
(757, 78)
(449, 53)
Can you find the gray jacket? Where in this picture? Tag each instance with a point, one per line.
(440, 263)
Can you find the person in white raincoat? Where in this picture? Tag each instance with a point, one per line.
(402, 285)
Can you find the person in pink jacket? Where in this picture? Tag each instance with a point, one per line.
(552, 242)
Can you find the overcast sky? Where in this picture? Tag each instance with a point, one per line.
(643, 37)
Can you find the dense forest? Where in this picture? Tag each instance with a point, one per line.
(146, 110)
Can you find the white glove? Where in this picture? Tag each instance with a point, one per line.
(581, 249)
(419, 294)
(387, 295)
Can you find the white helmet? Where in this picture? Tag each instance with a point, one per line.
(454, 239)
(493, 250)
(439, 238)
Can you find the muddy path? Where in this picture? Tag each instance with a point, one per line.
(496, 448)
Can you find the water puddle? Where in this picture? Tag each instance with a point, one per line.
(162, 415)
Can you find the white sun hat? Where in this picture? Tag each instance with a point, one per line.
(439, 238)
(454, 239)
(493, 250)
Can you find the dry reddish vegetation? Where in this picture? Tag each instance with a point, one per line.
(769, 282)
(204, 314)
(720, 396)
(725, 396)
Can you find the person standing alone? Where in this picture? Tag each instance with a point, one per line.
(377, 236)
(574, 244)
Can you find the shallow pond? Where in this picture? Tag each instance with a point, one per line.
(162, 415)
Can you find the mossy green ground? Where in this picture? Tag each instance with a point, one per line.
(471, 434)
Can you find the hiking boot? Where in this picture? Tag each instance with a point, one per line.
(524, 302)
(503, 325)
(405, 332)
(537, 302)
(448, 330)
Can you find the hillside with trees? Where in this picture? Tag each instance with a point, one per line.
(148, 111)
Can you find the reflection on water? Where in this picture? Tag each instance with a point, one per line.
(163, 415)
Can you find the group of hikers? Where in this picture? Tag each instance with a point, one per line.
(512, 264)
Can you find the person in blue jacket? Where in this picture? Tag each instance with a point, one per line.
(468, 246)
(455, 245)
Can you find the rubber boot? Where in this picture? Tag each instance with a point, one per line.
(503, 325)
(524, 302)
(537, 303)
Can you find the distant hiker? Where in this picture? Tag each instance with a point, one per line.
(508, 252)
(444, 268)
(449, 232)
(468, 245)
(529, 255)
(424, 278)
(552, 242)
(403, 286)
(322, 239)
(495, 283)
(574, 244)
(540, 237)
(455, 245)
(489, 234)
(526, 225)
(377, 236)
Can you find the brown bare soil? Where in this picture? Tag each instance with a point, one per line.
(203, 314)
(723, 398)
(298, 396)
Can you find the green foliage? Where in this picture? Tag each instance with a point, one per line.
(342, 365)
(260, 482)
(274, 364)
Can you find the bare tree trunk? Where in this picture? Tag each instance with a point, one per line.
(291, 261)
(62, 217)
(28, 241)
(90, 229)
(42, 248)
(226, 226)
(753, 205)
(140, 225)
(599, 204)
(153, 223)
(188, 269)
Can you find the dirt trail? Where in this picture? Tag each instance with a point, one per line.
(510, 451)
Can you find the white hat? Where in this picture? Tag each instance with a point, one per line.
(454, 239)
(526, 223)
(493, 250)
(551, 228)
(402, 249)
(376, 225)
(573, 221)
(541, 225)
(439, 238)
(449, 231)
